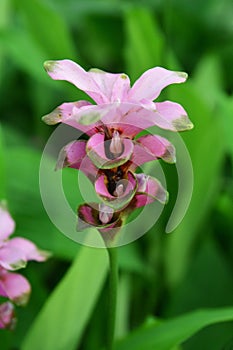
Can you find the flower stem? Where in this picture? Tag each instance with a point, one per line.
(113, 280)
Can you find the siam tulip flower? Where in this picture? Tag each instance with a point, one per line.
(14, 254)
(114, 151)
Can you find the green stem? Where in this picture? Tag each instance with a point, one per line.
(113, 280)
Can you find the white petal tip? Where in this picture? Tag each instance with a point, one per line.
(96, 70)
(183, 123)
(183, 75)
(18, 265)
(43, 255)
(163, 197)
(49, 66)
(22, 300)
(52, 118)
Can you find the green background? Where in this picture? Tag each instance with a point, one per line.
(162, 276)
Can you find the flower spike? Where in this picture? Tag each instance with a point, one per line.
(113, 153)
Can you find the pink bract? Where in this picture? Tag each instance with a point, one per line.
(7, 316)
(118, 104)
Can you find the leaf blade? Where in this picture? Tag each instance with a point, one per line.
(171, 333)
(62, 320)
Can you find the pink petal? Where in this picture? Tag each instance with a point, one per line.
(87, 118)
(172, 116)
(150, 84)
(130, 118)
(149, 190)
(65, 114)
(7, 315)
(11, 258)
(7, 224)
(15, 253)
(114, 86)
(151, 147)
(90, 114)
(101, 188)
(101, 86)
(125, 117)
(27, 249)
(75, 74)
(167, 115)
(98, 151)
(74, 156)
(88, 215)
(15, 287)
(116, 200)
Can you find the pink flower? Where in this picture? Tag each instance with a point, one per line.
(14, 254)
(113, 151)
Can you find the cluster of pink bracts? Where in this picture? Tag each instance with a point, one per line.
(14, 254)
(113, 150)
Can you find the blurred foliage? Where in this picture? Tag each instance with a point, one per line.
(162, 276)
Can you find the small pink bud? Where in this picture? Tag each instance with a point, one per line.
(105, 213)
(116, 146)
(119, 191)
(142, 182)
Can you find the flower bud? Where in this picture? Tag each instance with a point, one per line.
(142, 182)
(105, 213)
(116, 146)
(119, 191)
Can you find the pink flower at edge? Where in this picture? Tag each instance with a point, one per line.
(7, 315)
(14, 254)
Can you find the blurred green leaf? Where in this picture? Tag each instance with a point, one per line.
(130, 259)
(4, 11)
(144, 41)
(209, 80)
(171, 333)
(23, 193)
(226, 106)
(123, 306)
(15, 42)
(203, 291)
(48, 28)
(4, 19)
(62, 320)
(2, 167)
(202, 149)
